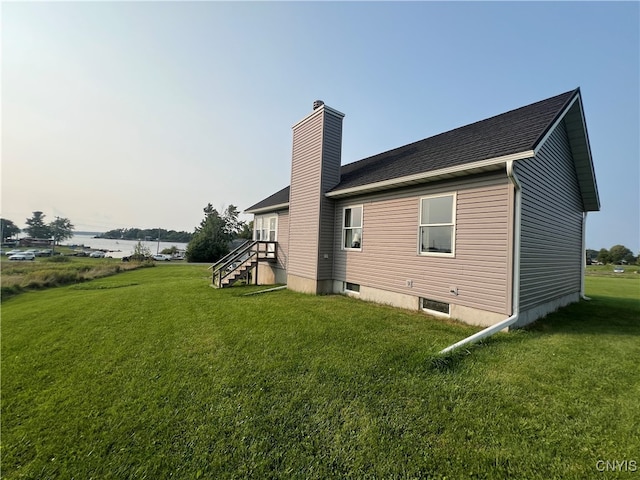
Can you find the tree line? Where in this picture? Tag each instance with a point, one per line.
(59, 229)
(151, 233)
(618, 254)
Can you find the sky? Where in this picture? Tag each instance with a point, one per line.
(123, 114)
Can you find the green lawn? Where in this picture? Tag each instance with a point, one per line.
(153, 374)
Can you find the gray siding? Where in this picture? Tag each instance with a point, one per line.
(331, 155)
(389, 258)
(551, 247)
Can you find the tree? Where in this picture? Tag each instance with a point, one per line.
(591, 254)
(61, 229)
(620, 254)
(247, 231)
(210, 242)
(140, 252)
(170, 251)
(603, 256)
(37, 228)
(9, 229)
(233, 226)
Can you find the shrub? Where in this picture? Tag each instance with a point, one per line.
(57, 259)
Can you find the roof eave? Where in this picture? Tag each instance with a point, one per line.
(270, 208)
(481, 166)
(573, 115)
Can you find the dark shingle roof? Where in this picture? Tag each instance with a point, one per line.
(512, 132)
(277, 198)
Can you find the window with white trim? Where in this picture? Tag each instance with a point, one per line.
(265, 228)
(437, 225)
(352, 228)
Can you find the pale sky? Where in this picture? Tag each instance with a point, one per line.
(139, 114)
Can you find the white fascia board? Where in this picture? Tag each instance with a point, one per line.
(556, 123)
(270, 208)
(425, 176)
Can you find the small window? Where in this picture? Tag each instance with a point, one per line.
(352, 228)
(433, 306)
(351, 287)
(437, 225)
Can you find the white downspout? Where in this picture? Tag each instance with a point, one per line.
(487, 332)
(584, 255)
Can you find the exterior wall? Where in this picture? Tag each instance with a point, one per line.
(269, 274)
(480, 271)
(315, 168)
(331, 155)
(304, 199)
(551, 242)
(282, 253)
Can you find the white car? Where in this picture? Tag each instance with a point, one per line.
(161, 257)
(13, 252)
(23, 256)
(97, 254)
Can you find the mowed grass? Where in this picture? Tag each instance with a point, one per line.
(153, 374)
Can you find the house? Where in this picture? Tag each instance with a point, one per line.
(482, 223)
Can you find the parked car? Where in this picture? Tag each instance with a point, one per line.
(161, 257)
(47, 252)
(97, 254)
(23, 256)
(13, 252)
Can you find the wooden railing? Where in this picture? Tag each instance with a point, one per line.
(243, 257)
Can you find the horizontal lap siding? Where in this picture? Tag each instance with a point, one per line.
(331, 154)
(304, 206)
(283, 239)
(551, 254)
(389, 256)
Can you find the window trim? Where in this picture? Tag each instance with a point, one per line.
(264, 221)
(349, 291)
(344, 229)
(452, 224)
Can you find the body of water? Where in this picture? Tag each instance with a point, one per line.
(120, 248)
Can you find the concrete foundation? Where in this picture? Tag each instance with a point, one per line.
(533, 314)
(309, 285)
(474, 316)
(471, 316)
(269, 274)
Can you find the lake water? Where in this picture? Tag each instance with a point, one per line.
(120, 248)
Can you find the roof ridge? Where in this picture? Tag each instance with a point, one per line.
(478, 122)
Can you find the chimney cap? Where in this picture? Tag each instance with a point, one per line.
(317, 104)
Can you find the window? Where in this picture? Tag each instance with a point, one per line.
(351, 287)
(437, 225)
(433, 306)
(352, 228)
(265, 228)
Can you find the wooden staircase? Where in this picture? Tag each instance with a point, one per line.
(242, 263)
